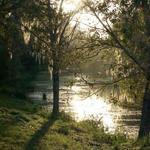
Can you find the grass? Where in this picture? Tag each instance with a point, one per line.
(19, 119)
(24, 125)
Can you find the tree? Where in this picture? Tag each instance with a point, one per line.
(53, 38)
(127, 38)
(15, 52)
(145, 119)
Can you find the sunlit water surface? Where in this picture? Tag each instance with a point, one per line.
(92, 107)
(83, 104)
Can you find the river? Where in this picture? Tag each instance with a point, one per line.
(83, 103)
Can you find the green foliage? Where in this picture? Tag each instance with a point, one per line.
(126, 43)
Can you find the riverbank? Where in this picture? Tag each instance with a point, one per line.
(128, 105)
(24, 125)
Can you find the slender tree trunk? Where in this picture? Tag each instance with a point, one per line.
(55, 75)
(145, 118)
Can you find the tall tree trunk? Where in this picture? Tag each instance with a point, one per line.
(145, 118)
(55, 75)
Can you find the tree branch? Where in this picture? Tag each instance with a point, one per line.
(121, 46)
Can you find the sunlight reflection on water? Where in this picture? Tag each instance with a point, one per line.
(92, 107)
(82, 104)
(76, 88)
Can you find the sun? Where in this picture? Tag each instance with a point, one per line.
(85, 19)
(71, 5)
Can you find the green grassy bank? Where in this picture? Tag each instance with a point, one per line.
(24, 125)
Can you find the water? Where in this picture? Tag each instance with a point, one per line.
(80, 101)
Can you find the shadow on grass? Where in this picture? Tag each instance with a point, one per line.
(33, 142)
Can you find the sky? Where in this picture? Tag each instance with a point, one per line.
(84, 18)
